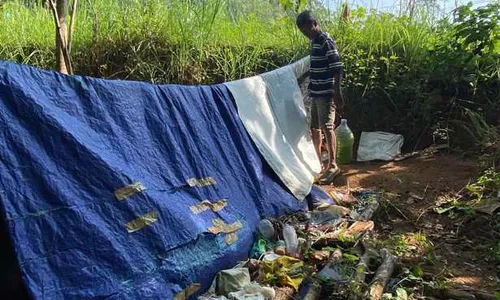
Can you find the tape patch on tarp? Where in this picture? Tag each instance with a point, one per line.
(201, 182)
(129, 190)
(206, 205)
(141, 222)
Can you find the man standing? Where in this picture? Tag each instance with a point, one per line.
(324, 90)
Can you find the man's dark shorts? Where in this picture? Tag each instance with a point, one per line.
(322, 113)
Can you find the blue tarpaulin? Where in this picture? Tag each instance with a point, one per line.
(127, 190)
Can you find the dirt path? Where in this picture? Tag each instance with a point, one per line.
(458, 251)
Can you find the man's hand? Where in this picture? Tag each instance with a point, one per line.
(338, 99)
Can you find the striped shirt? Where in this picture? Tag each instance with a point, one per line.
(325, 62)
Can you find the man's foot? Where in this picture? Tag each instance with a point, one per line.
(329, 175)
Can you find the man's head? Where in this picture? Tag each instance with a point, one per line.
(307, 24)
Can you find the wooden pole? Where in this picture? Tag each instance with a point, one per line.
(62, 55)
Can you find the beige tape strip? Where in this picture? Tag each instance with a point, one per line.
(129, 190)
(190, 290)
(201, 182)
(206, 205)
(231, 238)
(141, 222)
(221, 227)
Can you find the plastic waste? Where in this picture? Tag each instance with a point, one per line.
(302, 246)
(271, 257)
(318, 197)
(242, 295)
(345, 143)
(288, 270)
(332, 270)
(330, 215)
(232, 280)
(259, 248)
(253, 291)
(291, 240)
(266, 228)
(280, 248)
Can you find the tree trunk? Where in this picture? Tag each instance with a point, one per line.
(62, 32)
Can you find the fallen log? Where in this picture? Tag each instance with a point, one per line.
(383, 274)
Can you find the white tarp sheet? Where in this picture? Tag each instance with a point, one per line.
(272, 109)
(379, 146)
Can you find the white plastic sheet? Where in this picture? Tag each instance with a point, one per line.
(379, 146)
(272, 109)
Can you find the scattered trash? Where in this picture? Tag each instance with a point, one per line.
(280, 248)
(232, 280)
(259, 248)
(333, 212)
(318, 198)
(332, 270)
(253, 291)
(291, 241)
(300, 256)
(379, 146)
(286, 271)
(266, 228)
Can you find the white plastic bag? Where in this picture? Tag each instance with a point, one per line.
(379, 146)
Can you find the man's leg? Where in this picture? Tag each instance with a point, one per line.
(316, 128)
(327, 120)
(331, 142)
(331, 139)
(317, 141)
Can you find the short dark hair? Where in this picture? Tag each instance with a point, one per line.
(305, 18)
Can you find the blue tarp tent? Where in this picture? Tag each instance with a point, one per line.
(126, 190)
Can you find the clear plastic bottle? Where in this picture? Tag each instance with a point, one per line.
(291, 240)
(266, 229)
(345, 143)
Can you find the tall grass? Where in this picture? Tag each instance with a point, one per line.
(192, 41)
(402, 74)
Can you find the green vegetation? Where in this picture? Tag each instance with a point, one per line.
(413, 75)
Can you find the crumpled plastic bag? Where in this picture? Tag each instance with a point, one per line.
(241, 295)
(379, 146)
(253, 291)
(332, 212)
(232, 280)
(285, 270)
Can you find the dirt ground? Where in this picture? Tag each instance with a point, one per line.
(415, 186)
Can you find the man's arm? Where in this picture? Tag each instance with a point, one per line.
(335, 67)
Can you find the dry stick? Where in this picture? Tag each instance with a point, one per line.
(404, 216)
(62, 37)
(72, 24)
(383, 274)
